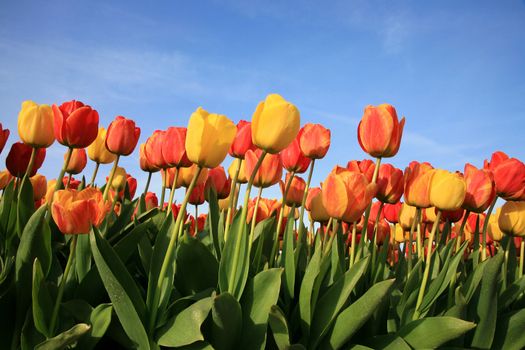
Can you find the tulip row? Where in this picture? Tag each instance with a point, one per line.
(87, 266)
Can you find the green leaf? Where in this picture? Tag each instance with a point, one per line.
(213, 218)
(511, 294)
(8, 211)
(305, 293)
(287, 260)
(279, 328)
(65, 339)
(334, 299)
(25, 204)
(509, 332)
(127, 246)
(82, 257)
(121, 289)
(42, 302)
(185, 327)
(432, 332)
(486, 309)
(100, 318)
(226, 322)
(351, 319)
(473, 280)
(260, 295)
(196, 267)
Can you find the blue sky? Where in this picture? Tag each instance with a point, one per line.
(455, 70)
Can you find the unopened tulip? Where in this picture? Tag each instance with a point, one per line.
(35, 125)
(209, 138)
(346, 194)
(275, 123)
(399, 233)
(270, 171)
(375, 211)
(145, 162)
(73, 213)
(480, 189)
(119, 179)
(76, 124)
(197, 194)
(151, 200)
(39, 183)
(241, 177)
(314, 204)
(379, 132)
(97, 150)
(390, 184)
(293, 158)
(512, 218)
(509, 177)
(77, 162)
(365, 166)
(218, 180)
(242, 141)
(174, 148)
(122, 136)
(4, 135)
(314, 140)
(294, 197)
(391, 212)
(18, 158)
(493, 229)
(131, 182)
(418, 177)
(154, 145)
(186, 175)
(447, 190)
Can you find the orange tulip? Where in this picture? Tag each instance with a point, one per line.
(263, 210)
(76, 124)
(383, 229)
(314, 204)
(480, 189)
(122, 136)
(314, 140)
(168, 176)
(390, 184)
(365, 166)
(295, 191)
(242, 141)
(154, 145)
(5, 178)
(379, 132)
(78, 161)
(346, 194)
(174, 149)
(509, 178)
(270, 171)
(293, 158)
(39, 183)
(218, 180)
(18, 157)
(100, 207)
(144, 160)
(4, 135)
(417, 184)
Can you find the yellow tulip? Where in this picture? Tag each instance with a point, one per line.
(209, 138)
(35, 125)
(98, 151)
(493, 229)
(512, 218)
(186, 175)
(407, 215)
(119, 179)
(241, 177)
(447, 190)
(275, 124)
(398, 233)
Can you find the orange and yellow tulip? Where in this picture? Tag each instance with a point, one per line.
(97, 150)
(314, 140)
(270, 171)
(77, 162)
(511, 218)
(417, 184)
(480, 189)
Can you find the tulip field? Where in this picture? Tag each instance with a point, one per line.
(375, 258)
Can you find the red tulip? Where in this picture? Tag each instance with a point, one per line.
(174, 149)
(480, 189)
(379, 132)
(154, 145)
(391, 212)
(314, 140)
(293, 158)
(76, 124)
(73, 183)
(122, 136)
(219, 181)
(77, 162)
(452, 215)
(4, 135)
(390, 184)
(242, 141)
(495, 160)
(18, 157)
(197, 195)
(509, 178)
(365, 167)
(295, 191)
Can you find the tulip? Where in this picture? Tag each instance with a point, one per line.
(347, 194)
(509, 178)
(39, 184)
(100, 207)
(294, 195)
(72, 213)
(494, 231)
(391, 212)
(224, 204)
(512, 218)
(293, 158)
(75, 124)
(314, 140)
(407, 215)
(314, 204)
(151, 200)
(119, 180)
(122, 136)
(418, 177)
(452, 215)
(217, 179)
(187, 174)
(275, 124)
(480, 189)
(270, 171)
(145, 162)
(241, 177)
(97, 150)
(399, 233)
(168, 177)
(154, 146)
(71, 182)
(262, 212)
(18, 159)
(174, 149)
(5, 178)
(379, 132)
(77, 162)
(382, 230)
(365, 167)
(209, 138)
(242, 141)
(197, 194)
(447, 190)
(35, 125)
(4, 135)
(390, 184)
(496, 159)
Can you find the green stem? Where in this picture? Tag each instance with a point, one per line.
(461, 230)
(31, 163)
(147, 182)
(485, 226)
(367, 212)
(275, 247)
(522, 252)
(233, 202)
(335, 227)
(92, 183)
(60, 177)
(352, 248)
(410, 238)
(163, 191)
(254, 218)
(172, 192)
(421, 293)
(69, 175)
(62, 284)
(374, 239)
(506, 261)
(300, 234)
(419, 239)
(111, 176)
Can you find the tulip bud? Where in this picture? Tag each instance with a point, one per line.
(314, 140)
(293, 158)
(75, 124)
(379, 132)
(512, 218)
(151, 201)
(399, 233)
(390, 184)
(407, 215)
(418, 177)
(197, 194)
(77, 162)
(217, 179)
(119, 179)
(262, 213)
(509, 178)
(447, 190)
(209, 138)
(241, 177)
(145, 162)
(4, 135)
(314, 204)
(224, 204)
(97, 150)
(154, 145)
(174, 148)
(242, 141)
(270, 171)
(122, 136)
(35, 125)
(365, 167)
(18, 158)
(480, 189)
(275, 123)
(294, 197)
